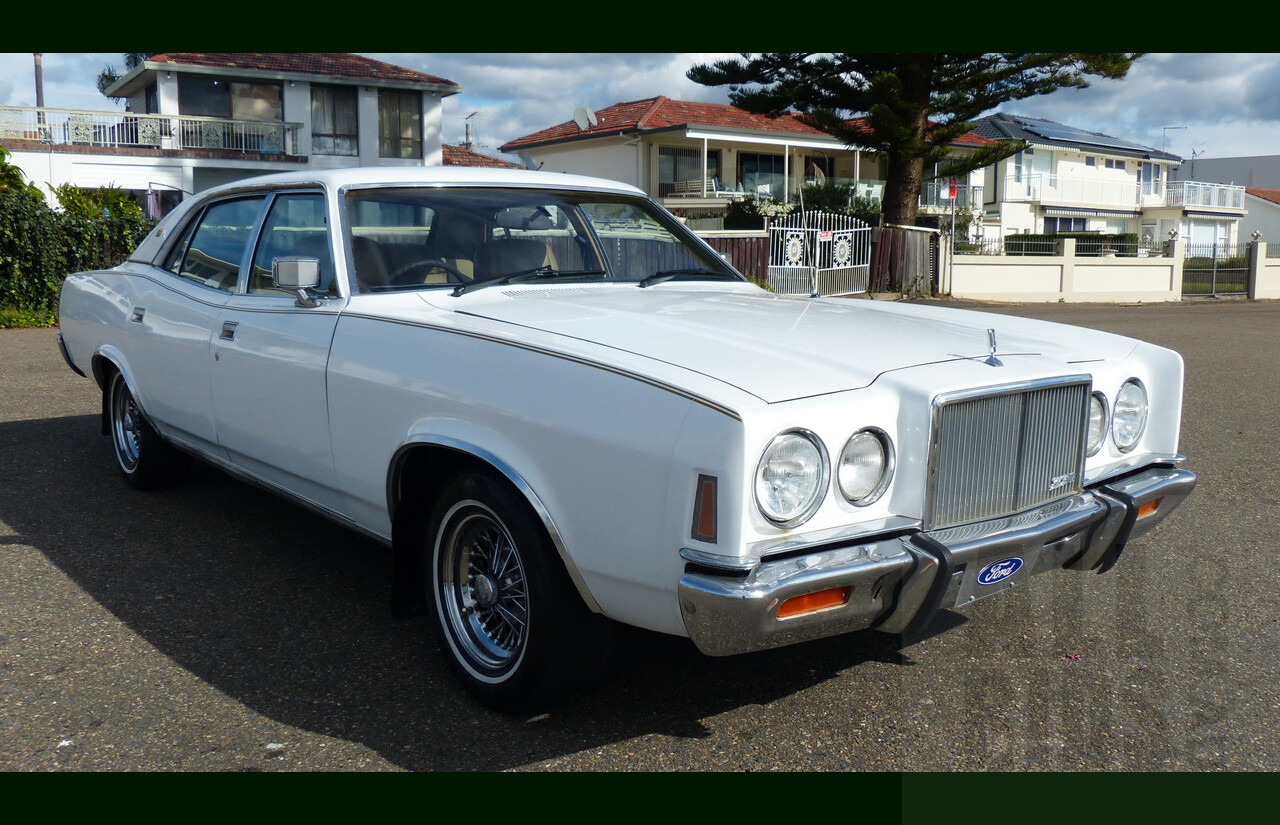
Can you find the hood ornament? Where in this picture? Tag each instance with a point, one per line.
(992, 360)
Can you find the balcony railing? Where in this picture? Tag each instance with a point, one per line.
(935, 194)
(77, 127)
(1193, 193)
(1122, 194)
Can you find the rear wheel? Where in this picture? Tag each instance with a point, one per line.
(145, 459)
(514, 627)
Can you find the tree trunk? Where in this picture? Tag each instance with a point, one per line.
(902, 190)
(906, 167)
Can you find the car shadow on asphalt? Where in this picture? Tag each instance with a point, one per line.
(289, 615)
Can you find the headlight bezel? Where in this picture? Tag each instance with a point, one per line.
(1092, 449)
(1120, 417)
(887, 467)
(815, 497)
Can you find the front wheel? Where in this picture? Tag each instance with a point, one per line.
(514, 627)
(144, 458)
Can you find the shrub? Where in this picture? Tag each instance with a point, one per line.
(40, 247)
(105, 201)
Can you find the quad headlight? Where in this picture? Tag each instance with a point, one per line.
(791, 478)
(1099, 422)
(1129, 419)
(865, 466)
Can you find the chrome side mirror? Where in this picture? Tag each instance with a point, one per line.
(299, 275)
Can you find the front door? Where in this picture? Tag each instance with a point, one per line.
(271, 355)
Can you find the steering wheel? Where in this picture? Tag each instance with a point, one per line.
(430, 264)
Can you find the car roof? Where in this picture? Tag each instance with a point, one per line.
(425, 176)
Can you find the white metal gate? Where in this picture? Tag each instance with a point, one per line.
(817, 253)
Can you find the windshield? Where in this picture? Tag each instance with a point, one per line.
(465, 238)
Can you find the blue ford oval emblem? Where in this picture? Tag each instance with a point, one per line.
(998, 571)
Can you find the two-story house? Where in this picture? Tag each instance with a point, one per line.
(695, 157)
(1071, 180)
(194, 120)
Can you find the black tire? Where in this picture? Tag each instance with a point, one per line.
(510, 621)
(145, 459)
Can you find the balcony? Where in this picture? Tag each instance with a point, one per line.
(1208, 195)
(1125, 194)
(124, 130)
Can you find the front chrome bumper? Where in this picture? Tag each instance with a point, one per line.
(897, 582)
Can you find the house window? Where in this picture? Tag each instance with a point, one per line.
(1149, 178)
(1090, 161)
(1116, 164)
(762, 175)
(216, 97)
(683, 164)
(333, 120)
(1056, 226)
(399, 124)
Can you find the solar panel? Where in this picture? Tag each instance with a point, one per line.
(1058, 131)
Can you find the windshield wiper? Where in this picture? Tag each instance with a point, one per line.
(541, 273)
(668, 274)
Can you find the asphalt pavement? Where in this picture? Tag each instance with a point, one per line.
(213, 627)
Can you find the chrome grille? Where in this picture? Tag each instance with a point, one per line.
(1000, 451)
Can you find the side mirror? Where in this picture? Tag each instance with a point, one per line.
(297, 274)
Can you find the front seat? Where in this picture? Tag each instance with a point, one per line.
(370, 262)
(507, 256)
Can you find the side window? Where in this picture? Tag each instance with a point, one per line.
(213, 253)
(295, 226)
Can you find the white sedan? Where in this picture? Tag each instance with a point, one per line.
(564, 411)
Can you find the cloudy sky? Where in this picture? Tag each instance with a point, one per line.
(1190, 104)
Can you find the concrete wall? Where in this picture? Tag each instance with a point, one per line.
(1264, 273)
(1064, 277)
(1068, 278)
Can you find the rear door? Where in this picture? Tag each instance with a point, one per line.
(174, 313)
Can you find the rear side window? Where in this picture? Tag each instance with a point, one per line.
(215, 246)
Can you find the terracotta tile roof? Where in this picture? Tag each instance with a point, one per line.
(1272, 195)
(338, 64)
(660, 112)
(462, 156)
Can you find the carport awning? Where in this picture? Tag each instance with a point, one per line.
(1068, 212)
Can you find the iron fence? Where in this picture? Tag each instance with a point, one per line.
(815, 253)
(1212, 270)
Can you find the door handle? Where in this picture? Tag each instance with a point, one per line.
(138, 312)
(229, 330)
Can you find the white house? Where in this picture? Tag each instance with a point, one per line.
(1071, 180)
(195, 120)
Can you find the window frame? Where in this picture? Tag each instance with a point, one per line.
(333, 93)
(385, 141)
(176, 254)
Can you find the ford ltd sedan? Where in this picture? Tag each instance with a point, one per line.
(565, 412)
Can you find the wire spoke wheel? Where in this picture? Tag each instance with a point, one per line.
(511, 623)
(482, 589)
(126, 419)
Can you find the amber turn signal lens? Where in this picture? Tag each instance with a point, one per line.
(813, 602)
(1150, 507)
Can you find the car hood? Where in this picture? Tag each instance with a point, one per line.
(776, 347)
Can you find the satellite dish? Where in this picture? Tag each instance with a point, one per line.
(585, 118)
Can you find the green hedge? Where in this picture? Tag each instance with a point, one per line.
(1123, 244)
(39, 247)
